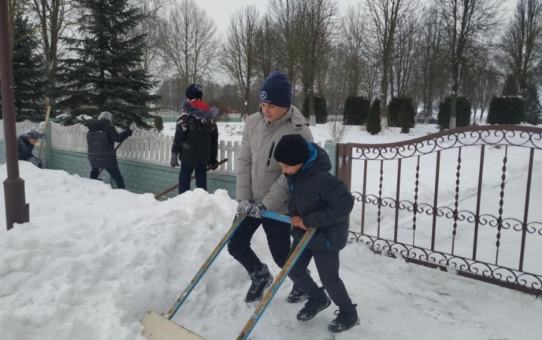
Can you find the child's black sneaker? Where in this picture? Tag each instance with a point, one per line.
(314, 306)
(296, 295)
(347, 317)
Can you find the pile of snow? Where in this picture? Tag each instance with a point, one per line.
(93, 260)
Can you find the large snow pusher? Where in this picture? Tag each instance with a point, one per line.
(160, 327)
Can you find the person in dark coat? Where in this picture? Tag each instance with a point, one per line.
(322, 201)
(25, 146)
(196, 139)
(101, 138)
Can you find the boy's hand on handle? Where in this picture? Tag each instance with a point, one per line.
(296, 221)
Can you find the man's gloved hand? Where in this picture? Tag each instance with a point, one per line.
(174, 160)
(133, 126)
(251, 208)
(212, 162)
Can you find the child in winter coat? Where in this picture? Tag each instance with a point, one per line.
(196, 139)
(322, 201)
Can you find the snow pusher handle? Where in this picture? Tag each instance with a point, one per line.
(279, 279)
(170, 189)
(171, 313)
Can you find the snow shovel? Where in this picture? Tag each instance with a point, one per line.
(212, 167)
(44, 130)
(255, 317)
(158, 327)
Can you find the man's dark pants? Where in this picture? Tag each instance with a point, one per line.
(278, 239)
(115, 175)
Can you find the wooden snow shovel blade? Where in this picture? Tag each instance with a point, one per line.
(160, 327)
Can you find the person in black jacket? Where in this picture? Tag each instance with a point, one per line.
(25, 146)
(101, 138)
(196, 139)
(322, 201)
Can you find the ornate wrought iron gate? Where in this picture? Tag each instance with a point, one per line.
(493, 239)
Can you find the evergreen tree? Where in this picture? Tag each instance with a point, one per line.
(373, 121)
(533, 107)
(159, 123)
(463, 112)
(320, 109)
(29, 82)
(510, 86)
(506, 110)
(356, 110)
(103, 72)
(402, 113)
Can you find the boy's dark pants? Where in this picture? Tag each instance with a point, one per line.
(115, 175)
(327, 264)
(186, 173)
(278, 239)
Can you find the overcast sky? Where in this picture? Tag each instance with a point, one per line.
(221, 10)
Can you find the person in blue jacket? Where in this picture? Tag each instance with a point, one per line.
(322, 201)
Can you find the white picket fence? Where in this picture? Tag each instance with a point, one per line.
(143, 146)
(21, 127)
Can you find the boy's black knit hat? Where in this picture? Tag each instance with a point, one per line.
(292, 150)
(194, 91)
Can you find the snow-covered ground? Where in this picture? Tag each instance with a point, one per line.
(93, 260)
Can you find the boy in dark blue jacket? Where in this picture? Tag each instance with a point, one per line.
(322, 201)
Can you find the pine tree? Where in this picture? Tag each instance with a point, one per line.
(320, 108)
(510, 86)
(103, 71)
(533, 108)
(373, 121)
(29, 84)
(356, 110)
(159, 123)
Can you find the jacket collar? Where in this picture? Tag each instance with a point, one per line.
(281, 121)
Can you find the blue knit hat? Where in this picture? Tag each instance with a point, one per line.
(276, 90)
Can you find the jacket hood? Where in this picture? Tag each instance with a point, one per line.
(197, 112)
(98, 125)
(318, 161)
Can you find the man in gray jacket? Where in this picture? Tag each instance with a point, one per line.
(261, 184)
